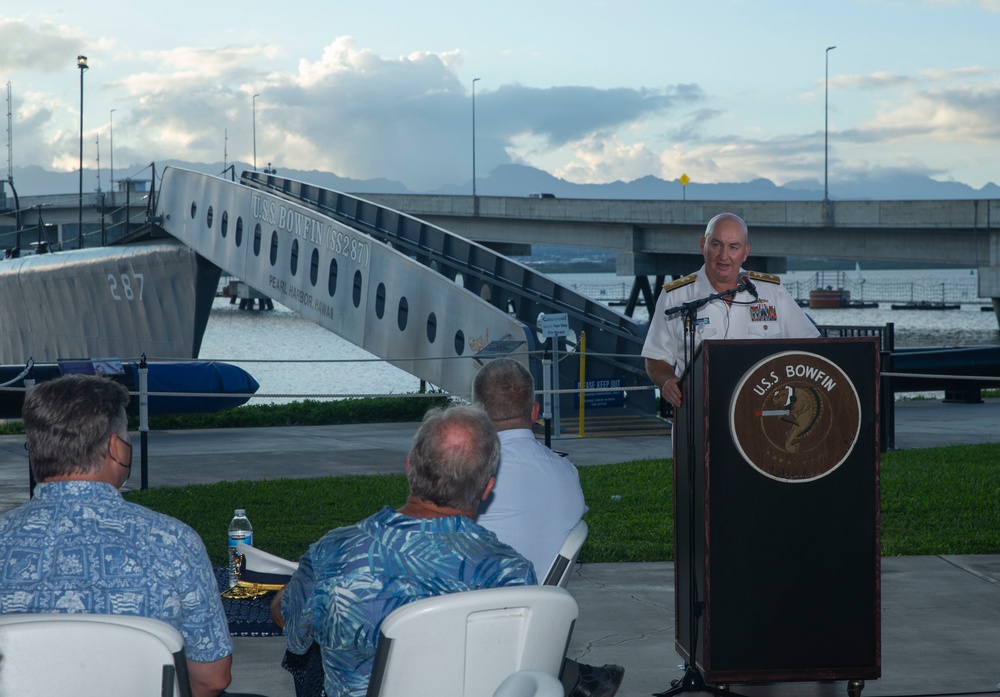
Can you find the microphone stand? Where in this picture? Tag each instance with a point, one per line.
(690, 314)
(693, 680)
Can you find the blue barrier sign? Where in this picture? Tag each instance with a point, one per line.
(601, 400)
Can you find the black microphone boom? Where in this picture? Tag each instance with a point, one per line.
(747, 285)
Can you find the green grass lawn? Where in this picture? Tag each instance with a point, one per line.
(934, 501)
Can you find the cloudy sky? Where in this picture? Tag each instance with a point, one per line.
(590, 90)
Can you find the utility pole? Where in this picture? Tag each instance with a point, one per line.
(81, 63)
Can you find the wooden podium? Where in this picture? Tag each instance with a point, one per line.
(776, 504)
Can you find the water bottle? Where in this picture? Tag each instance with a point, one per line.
(240, 530)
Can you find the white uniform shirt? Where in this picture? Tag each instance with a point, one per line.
(774, 315)
(536, 501)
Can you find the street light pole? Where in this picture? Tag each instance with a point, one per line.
(826, 130)
(255, 132)
(81, 63)
(112, 119)
(474, 81)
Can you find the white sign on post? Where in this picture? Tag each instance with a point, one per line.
(555, 324)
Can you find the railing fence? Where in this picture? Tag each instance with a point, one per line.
(617, 292)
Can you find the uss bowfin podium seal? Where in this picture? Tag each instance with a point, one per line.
(795, 416)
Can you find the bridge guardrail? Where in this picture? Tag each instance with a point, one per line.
(617, 292)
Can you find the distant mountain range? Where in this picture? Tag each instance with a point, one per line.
(520, 180)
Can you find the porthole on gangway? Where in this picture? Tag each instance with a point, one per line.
(238, 233)
(358, 288)
(380, 301)
(402, 314)
(431, 327)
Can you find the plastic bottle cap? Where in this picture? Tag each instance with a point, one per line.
(240, 512)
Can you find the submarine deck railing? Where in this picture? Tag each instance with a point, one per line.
(31, 230)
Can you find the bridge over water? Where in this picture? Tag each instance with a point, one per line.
(659, 238)
(651, 238)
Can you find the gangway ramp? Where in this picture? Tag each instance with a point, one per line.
(428, 301)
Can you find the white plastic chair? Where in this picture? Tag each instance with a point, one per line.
(562, 565)
(466, 644)
(530, 683)
(91, 656)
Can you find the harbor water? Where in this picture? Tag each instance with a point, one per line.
(294, 359)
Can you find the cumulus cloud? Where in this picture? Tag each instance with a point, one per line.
(595, 135)
(40, 127)
(960, 114)
(42, 48)
(913, 120)
(988, 5)
(597, 160)
(348, 110)
(872, 81)
(736, 159)
(567, 114)
(362, 115)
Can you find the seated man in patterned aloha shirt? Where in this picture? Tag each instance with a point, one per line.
(354, 576)
(78, 546)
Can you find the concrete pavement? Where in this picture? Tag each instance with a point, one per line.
(941, 615)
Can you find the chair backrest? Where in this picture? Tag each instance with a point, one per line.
(91, 656)
(530, 683)
(562, 565)
(466, 644)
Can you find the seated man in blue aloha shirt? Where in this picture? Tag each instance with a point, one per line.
(354, 576)
(78, 546)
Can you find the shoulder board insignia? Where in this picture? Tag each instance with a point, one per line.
(680, 282)
(766, 277)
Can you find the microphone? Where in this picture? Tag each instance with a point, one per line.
(747, 285)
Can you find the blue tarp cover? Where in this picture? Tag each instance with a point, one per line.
(212, 380)
(219, 385)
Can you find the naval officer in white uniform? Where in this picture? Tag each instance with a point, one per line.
(774, 314)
